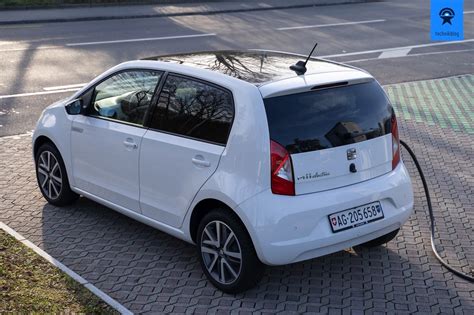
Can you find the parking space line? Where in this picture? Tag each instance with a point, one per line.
(38, 93)
(107, 42)
(398, 48)
(99, 293)
(327, 25)
(17, 137)
(413, 55)
(395, 53)
(62, 87)
(30, 48)
(140, 39)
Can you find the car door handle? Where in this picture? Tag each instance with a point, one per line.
(77, 129)
(130, 144)
(200, 161)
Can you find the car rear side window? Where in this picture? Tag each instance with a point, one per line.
(194, 109)
(327, 118)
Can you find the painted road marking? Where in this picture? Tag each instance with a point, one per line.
(37, 93)
(102, 295)
(327, 25)
(395, 53)
(413, 55)
(62, 87)
(31, 48)
(398, 48)
(140, 40)
(107, 42)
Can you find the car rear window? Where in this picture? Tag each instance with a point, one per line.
(328, 118)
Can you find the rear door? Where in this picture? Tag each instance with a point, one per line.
(182, 148)
(337, 136)
(105, 142)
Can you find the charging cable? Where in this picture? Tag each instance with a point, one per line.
(457, 272)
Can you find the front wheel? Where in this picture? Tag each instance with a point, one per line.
(52, 177)
(226, 252)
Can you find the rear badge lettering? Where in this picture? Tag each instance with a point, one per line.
(315, 175)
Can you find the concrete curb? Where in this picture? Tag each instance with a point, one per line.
(257, 7)
(99, 293)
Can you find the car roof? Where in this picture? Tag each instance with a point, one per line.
(258, 67)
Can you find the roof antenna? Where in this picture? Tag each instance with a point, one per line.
(300, 66)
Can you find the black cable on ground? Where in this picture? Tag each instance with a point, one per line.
(430, 210)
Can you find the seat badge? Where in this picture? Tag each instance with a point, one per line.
(351, 154)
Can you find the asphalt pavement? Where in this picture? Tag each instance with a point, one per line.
(43, 63)
(189, 7)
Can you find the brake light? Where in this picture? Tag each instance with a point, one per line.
(281, 170)
(395, 143)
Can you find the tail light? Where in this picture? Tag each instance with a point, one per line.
(395, 143)
(281, 168)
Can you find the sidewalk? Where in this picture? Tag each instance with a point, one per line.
(147, 11)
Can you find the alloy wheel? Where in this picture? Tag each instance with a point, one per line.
(49, 175)
(221, 252)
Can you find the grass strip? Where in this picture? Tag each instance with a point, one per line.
(30, 284)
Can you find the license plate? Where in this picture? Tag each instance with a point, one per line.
(354, 217)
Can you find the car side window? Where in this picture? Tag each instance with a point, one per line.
(125, 96)
(194, 109)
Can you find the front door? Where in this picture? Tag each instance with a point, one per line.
(106, 140)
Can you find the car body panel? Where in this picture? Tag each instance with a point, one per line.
(330, 168)
(104, 159)
(55, 125)
(305, 83)
(295, 228)
(169, 178)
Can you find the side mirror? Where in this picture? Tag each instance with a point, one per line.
(74, 107)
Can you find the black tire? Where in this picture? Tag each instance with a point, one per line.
(380, 240)
(251, 269)
(56, 192)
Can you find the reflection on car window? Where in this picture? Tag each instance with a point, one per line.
(194, 109)
(329, 118)
(125, 96)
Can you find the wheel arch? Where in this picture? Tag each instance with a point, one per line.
(205, 205)
(202, 208)
(39, 141)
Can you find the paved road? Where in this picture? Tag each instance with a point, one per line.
(42, 59)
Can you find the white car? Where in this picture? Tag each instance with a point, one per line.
(233, 151)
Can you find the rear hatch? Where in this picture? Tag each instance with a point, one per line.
(336, 135)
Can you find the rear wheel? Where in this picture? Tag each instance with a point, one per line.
(381, 240)
(52, 177)
(226, 252)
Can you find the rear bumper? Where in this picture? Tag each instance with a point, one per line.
(287, 229)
